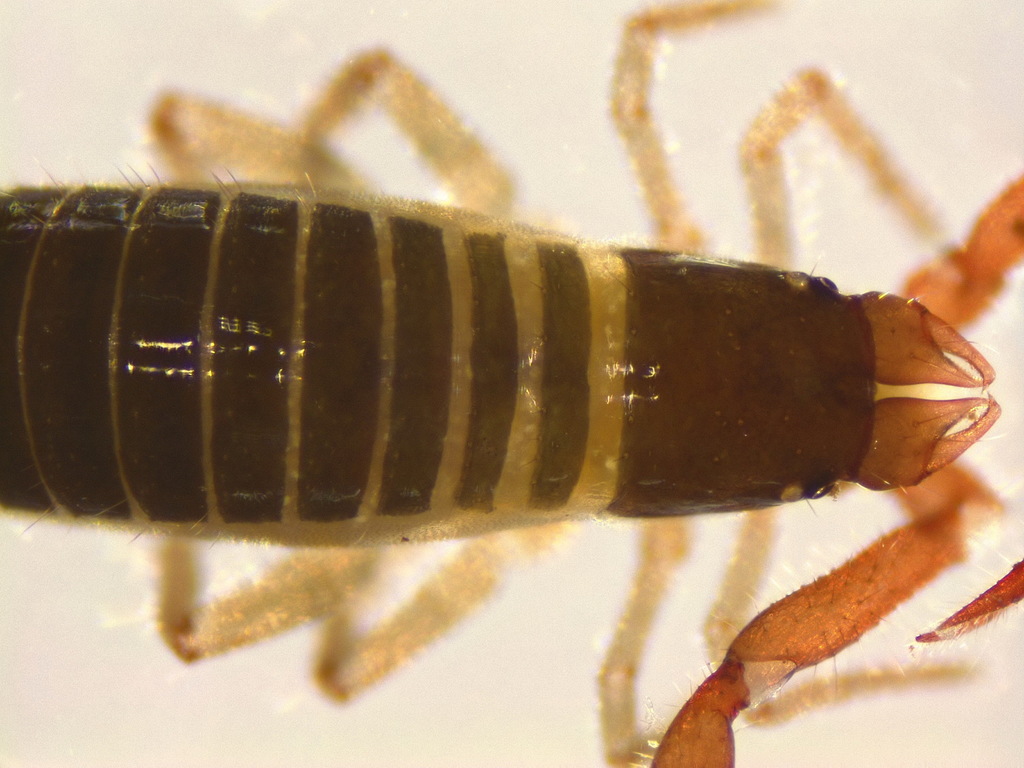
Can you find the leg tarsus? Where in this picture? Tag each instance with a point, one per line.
(176, 599)
(348, 665)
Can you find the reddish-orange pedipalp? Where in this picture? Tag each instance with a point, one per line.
(879, 122)
(821, 619)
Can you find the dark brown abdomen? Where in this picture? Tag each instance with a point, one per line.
(745, 386)
(185, 356)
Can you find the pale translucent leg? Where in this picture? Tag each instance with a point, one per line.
(813, 94)
(663, 543)
(675, 228)
(198, 137)
(377, 79)
(736, 600)
(349, 663)
(960, 284)
(334, 584)
(810, 94)
(302, 587)
(830, 691)
(201, 140)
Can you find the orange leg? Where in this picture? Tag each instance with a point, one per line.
(958, 287)
(985, 607)
(821, 619)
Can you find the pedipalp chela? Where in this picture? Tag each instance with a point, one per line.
(727, 236)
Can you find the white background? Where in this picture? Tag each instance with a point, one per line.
(85, 679)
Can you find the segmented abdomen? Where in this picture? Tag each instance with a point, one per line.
(343, 370)
(193, 355)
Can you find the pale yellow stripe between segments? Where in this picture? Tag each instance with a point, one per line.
(606, 279)
(138, 514)
(449, 471)
(382, 231)
(206, 352)
(512, 494)
(294, 370)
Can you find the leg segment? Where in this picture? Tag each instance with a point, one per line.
(830, 691)
(675, 228)
(813, 94)
(305, 586)
(377, 79)
(197, 137)
(663, 543)
(335, 584)
(349, 663)
(741, 585)
(958, 286)
(961, 284)
(820, 620)
(200, 140)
